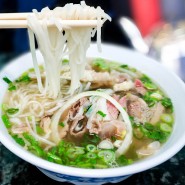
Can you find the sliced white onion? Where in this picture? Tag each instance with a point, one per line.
(105, 144)
(117, 143)
(150, 149)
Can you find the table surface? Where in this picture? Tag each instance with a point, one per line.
(15, 171)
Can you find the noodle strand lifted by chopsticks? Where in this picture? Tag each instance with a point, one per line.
(56, 42)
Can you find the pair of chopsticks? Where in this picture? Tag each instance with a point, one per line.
(19, 20)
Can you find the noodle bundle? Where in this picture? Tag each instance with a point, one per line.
(57, 42)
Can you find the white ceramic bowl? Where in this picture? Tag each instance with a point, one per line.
(169, 82)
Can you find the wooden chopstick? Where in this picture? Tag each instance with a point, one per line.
(65, 23)
(14, 16)
(19, 20)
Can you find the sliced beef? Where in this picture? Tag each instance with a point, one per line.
(112, 128)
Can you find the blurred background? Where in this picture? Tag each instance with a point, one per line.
(160, 22)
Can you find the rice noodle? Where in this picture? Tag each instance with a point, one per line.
(36, 136)
(53, 47)
(56, 118)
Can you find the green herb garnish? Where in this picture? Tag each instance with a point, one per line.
(12, 111)
(30, 139)
(7, 80)
(149, 100)
(37, 150)
(18, 140)
(124, 66)
(39, 130)
(153, 132)
(24, 78)
(101, 113)
(122, 160)
(101, 64)
(62, 124)
(65, 61)
(11, 87)
(148, 83)
(6, 121)
(166, 102)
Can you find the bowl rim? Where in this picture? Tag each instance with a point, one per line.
(97, 173)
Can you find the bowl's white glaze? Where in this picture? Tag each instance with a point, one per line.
(169, 82)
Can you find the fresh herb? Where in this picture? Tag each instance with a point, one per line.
(11, 87)
(31, 70)
(124, 66)
(18, 140)
(100, 64)
(10, 83)
(122, 160)
(91, 148)
(37, 150)
(101, 113)
(62, 124)
(153, 132)
(93, 138)
(7, 80)
(107, 155)
(167, 118)
(113, 138)
(54, 158)
(91, 155)
(156, 95)
(166, 102)
(12, 111)
(149, 100)
(4, 107)
(24, 78)
(137, 133)
(39, 130)
(6, 121)
(165, 127)
(65, 61)
(148, 83)
(30, 139)
(132, 120)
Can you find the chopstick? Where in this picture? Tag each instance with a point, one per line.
(14, 16)
(65, 23)
(19, 20)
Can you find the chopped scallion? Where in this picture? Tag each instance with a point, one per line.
(12, 111)
(101, 113)
(107, 155)
(56, 158)
(11, 87)
(30, 139)
(24, 78)
(6, 121)
(91, 148)
(167, 118)
(39, 130)
(165, 127)
(91, 155)
(18, 140)
(7, 80)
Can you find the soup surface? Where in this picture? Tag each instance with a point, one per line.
(91, 132)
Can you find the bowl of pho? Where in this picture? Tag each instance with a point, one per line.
(84, 116)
